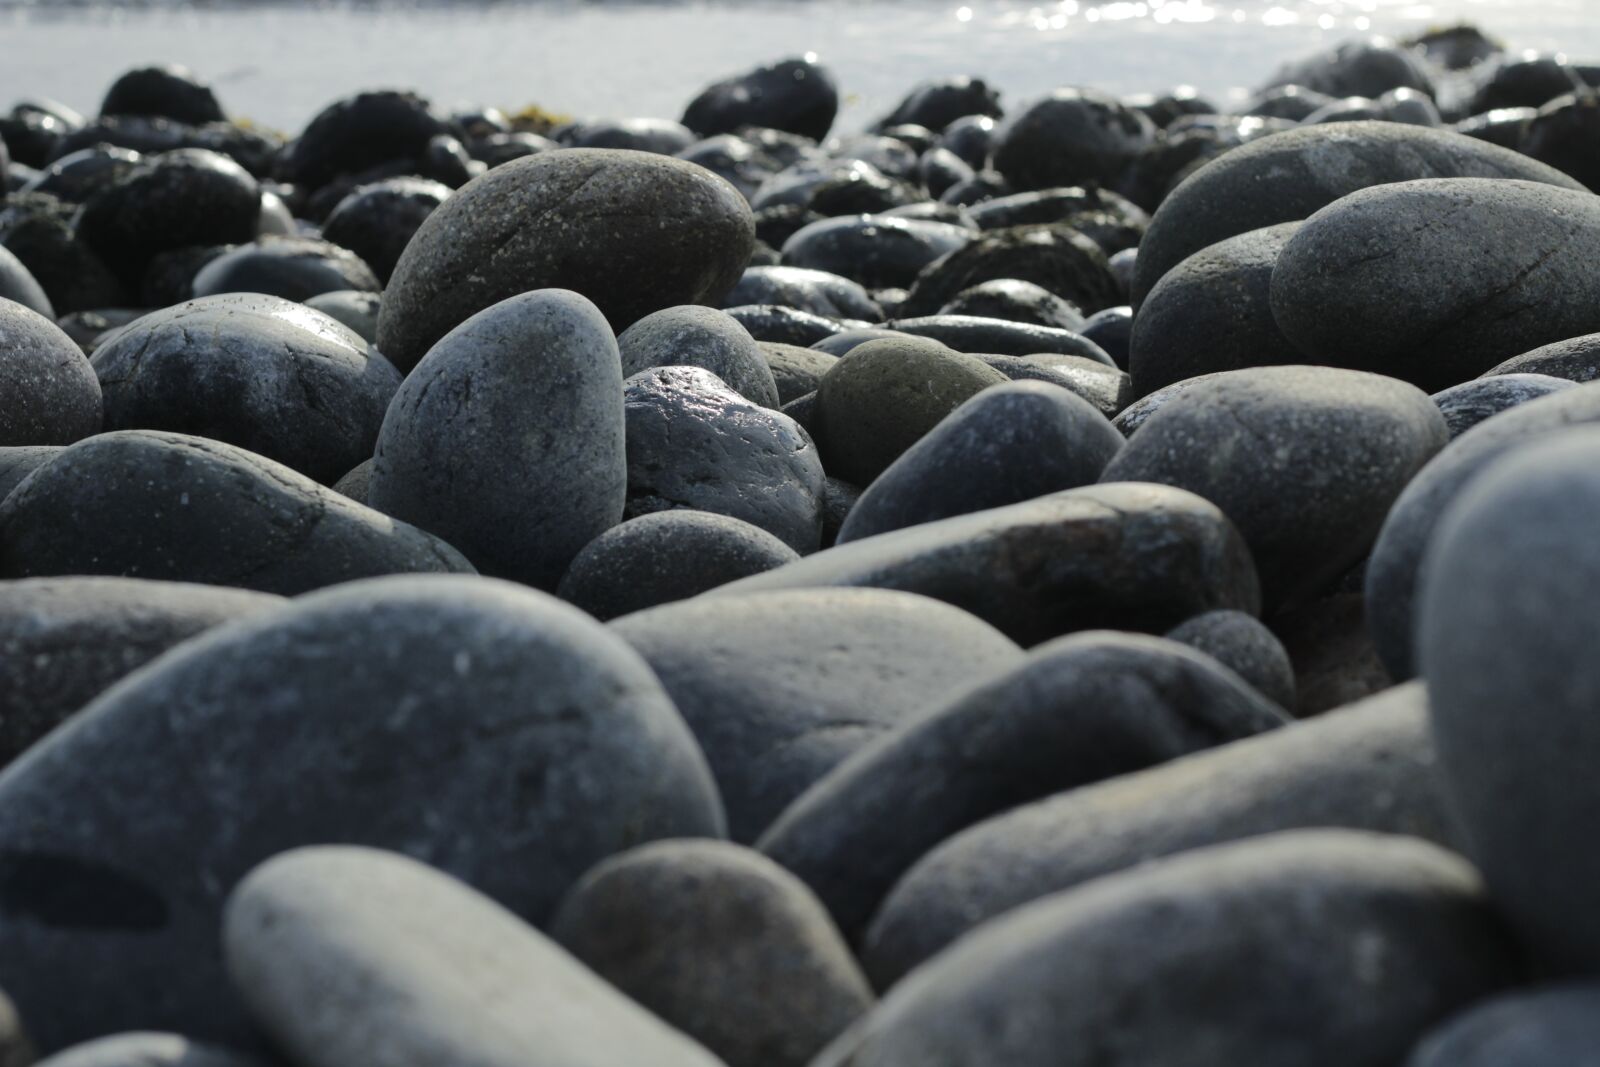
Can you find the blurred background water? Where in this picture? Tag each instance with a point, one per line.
(278, 63)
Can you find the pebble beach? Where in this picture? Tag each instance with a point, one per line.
(971, 572)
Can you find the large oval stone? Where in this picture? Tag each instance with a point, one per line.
(147, 504)
(1437, 281)
(1289, 176)
(632, 231)
(502, 736)
(507, 439)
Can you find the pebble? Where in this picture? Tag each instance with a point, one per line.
(38, 229)
(972, 333)
(51, 394)
(817, 291)
(633, 232)
(1576, 359)
(1290, 176)
(795, 371)
(781, 687)
(421, 967)
(692, 336)
(1213, 312)
(1305, 461)
(720, 942)
(692, 442)
(147, 1049)
(507, 438)
(1133, 556)
(496, 733)
(1015, 301)
(67, 640)
(882, 397)
(666, 556)
(1106, 388)
(1328, 947)
(1549, 1026)
(151, 504)
(1380, 273)
(1505, 585)
(1059, 260)
(1466, 405)
(360, 132)
(941, 102)
(260, 372)
(377, 221)
(21, 287)
(1008, 444)
(1367, 766)
(1413, 520)
(1070, 137)
(19, 461)
(1244, 645)
(294, 268)
(873, 250)
(795, 96)
(351, 307)
(1017, 737)
(170, 92)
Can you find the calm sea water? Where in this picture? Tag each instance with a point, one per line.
(279, 63)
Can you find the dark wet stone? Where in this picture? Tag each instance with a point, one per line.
(667, 556)
(168, 92)
(1057, 259)
(846, 341)
(1070, 137)
(694, 336)
(1577, 359)
(1525, 81)
(1017, 737)
(1409, 106)
(294, 268)
(1082, 209)
(938, 103)
(1378, 274)
(1213, 312)
(38, 230)
(1008, 444)
(1289, 176)
(969, 333)
(1392, 574)
(19, 461)
(1135, 557)
(1505, 589)
(169, 506)
(795, 96)
(941, 168)
(1293, 102)
(1172, 157)
(1456, 47)
(253, 150)
(446, 161)
(786, 325)
(66, 640)
(1563, 134)
(1349, 109)
(79, 175)
(795, 186)
(970, 138)
(370, 930)
(776, 707)
(795, 370)
(1246, 647)
(1016, 301)
(934, 211)
(776, 224)
(1335, 662)
(30, 137)
(377, 221)
(19, 286)
(881, 398)
(838, 499)
(455, 456)
(359, 132)
(1464, 406)
(1266, 927)
(275, 220)
(1305, 461)
(148, 1049)
(276, 378)
(693, 442)
(1503, 126)
(88, 328)
(356, 482)
(891, 156)
(632, 231)
(496, 148)
(985, 185)
(1370, 766)
(1105, 388)
(661, 136)
(1545, 1026)
(174, 200)
(816, 291)
(781, 982)
(1357, 68)
(353, 308)
(734, 159)
(874, 250)
(169, 277)
(50, 393)
(1112, 329)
